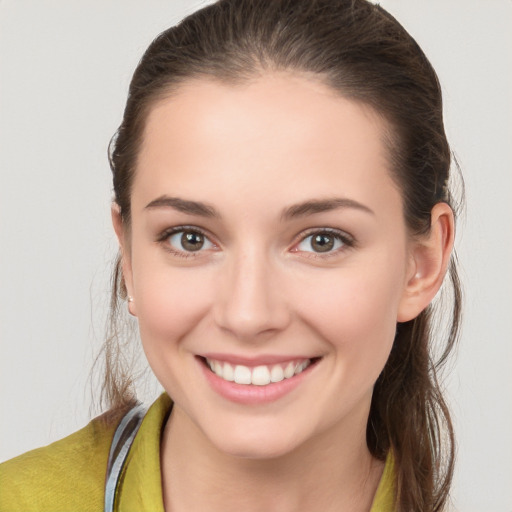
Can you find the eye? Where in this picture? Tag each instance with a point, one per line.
(323, 242)
(188, 240)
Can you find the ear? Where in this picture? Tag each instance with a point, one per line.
(430, 256)
(124, 249)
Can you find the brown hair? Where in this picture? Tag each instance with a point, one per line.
(360, 50)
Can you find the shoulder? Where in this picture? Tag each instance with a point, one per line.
(66, 475)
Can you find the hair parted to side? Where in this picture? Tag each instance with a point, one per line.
(361, 51)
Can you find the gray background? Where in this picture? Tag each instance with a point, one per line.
(64, 72)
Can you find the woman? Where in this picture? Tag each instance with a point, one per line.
(284, 219)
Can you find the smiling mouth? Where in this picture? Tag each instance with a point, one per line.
(261, 375)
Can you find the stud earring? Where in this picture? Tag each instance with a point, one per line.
(129, 304)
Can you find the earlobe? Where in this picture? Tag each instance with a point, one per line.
(124, 251)
(430, 256)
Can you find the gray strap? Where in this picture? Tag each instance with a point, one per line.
(123, 439)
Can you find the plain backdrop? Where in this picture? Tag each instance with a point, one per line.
(64, 73)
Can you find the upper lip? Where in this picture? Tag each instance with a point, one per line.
(265, 359)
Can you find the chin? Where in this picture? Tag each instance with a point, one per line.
(257, 445)
(256, 451)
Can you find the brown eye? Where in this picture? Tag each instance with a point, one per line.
(188, 241)
(322, 242)
(191, 241)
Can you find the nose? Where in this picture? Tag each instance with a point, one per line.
(251, 305)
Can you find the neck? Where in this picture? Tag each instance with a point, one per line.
(323, 474)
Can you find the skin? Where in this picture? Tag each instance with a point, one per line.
(258, 288)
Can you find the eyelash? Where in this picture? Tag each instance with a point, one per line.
(165, 235)
(347, 241)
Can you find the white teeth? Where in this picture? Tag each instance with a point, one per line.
(242, 374)
(276, 374)
(259, 375)
(289, 371)
(228, 372)
(301, 367)
(217, 368)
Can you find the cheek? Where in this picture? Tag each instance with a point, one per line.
(355, 311)
(170, 302)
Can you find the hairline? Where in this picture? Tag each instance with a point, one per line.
(390, 137)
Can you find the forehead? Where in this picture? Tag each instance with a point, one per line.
(281, 131)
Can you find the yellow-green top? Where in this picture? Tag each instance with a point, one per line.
(69, 475)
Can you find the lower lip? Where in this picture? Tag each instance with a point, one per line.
(249, 394)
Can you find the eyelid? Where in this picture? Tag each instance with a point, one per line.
(167, 233)
(348, 241)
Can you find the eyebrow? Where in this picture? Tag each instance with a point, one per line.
(309, 207)
(184, 206)
(322, 205)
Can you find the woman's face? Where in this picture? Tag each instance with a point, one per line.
(268, 242)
